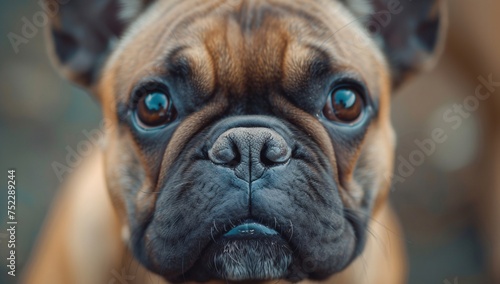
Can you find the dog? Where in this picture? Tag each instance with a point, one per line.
(246, 140)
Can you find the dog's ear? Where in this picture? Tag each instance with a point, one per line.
(82, 32)
(411, 32)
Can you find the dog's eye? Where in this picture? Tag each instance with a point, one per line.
(344, 105)
(155, 109)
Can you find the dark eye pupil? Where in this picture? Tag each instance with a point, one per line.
(155, 109)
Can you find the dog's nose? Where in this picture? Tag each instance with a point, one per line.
(249, 151)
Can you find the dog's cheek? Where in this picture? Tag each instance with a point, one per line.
(383, 152)
(372, 174)
(128, 186)
(111, 160)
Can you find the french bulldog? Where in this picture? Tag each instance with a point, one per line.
(246, 140)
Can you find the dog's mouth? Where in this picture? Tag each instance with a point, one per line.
(250, 250)
(250, 230)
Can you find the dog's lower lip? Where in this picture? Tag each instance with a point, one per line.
(250, 229)
(250, 252)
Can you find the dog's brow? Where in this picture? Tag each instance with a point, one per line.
(312, 64)
(320, 62)
(175, 61)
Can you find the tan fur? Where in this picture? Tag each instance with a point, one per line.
(82, 226)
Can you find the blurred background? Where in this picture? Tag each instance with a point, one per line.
(449, 204)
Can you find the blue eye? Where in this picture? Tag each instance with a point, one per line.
(344, 105)
(155, 109)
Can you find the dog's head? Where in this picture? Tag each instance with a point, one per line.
(250, 140)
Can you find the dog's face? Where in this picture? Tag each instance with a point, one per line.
(250, 140)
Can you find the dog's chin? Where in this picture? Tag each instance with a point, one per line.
(260, 256)
(265, 258)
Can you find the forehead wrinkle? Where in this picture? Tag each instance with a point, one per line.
(347, 43)
(307, 12)
(133, 56)
(300, 62)
(196, 65)
(260, 52)
(368, 65)
(267, 51)
(152, 47)
(203, 71)
(123, 92)
(334, 50)
(171, 29)
(188, 19)
(224, 45)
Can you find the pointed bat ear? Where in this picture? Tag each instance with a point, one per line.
(411, 33)
(82, 33)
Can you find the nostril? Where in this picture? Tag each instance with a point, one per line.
(235, 161)
(276, 154)
(227, 155)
